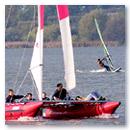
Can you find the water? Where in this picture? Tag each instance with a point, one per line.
(111, 85)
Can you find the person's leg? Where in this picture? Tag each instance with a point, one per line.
(93, 96)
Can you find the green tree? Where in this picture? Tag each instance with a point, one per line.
(87, 29)
(115, 28)
(27, 12)
(15, 14)
(32, 35)
(52, 32)
(111, 22)
(12, 34)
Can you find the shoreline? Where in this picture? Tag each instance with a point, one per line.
(57, 44)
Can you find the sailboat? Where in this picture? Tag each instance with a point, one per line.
(57, 109)
(107, 54)
(14, 111)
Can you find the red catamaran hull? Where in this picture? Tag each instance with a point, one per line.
(79, 109)
(13, 111)
(59, 110)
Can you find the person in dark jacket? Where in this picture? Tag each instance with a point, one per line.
(12, 97)
(60, 92)
(44, 96)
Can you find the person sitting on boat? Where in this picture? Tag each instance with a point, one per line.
(27, 98)
(44, 96)
(60, 92)
(80, 98)
(68, 97)
(12, 97)
(92, 96)
(102, 65)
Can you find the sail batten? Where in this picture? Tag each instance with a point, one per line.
(36, 66)
(63, 15)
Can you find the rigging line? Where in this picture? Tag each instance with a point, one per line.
(22, 82)
(7, 21)
(22, 57)
(34, 84)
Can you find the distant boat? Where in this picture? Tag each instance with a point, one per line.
(57, 109)
(107, 54)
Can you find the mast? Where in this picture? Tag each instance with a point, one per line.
(103, 43)
(36, 66)
(63, 15)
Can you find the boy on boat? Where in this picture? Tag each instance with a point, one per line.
(60, 93)
(44, 96)
(12, 97)
(27, 98)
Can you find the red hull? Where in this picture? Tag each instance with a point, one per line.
(13, 111)
(78, 109)
(58, 110)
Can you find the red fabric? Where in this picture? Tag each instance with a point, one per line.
(62, 11)
(41, 16)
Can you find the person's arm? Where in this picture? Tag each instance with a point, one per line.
(47, 98)
(18, 96)
(54, 95)
(103, 59)
(63, 94)
(8, 99)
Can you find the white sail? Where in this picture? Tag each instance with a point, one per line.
(36, 65)
(63, 15)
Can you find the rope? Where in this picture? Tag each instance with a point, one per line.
(34, 84)
(7, 21)
(22, 82)
(22, 57)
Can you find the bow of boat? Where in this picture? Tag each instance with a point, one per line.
(110, 107)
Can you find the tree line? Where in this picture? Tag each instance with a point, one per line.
(21, 23)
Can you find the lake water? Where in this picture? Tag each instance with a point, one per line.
(111, 85)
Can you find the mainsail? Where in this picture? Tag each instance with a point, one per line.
(103, 43)
(36, 65)
(63, 15)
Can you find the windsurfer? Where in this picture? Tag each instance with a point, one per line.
(12, 97)
(60, 92)
(102, 65)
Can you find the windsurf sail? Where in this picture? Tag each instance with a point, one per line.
(36, 65)
(104, 46)
(63, 15)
